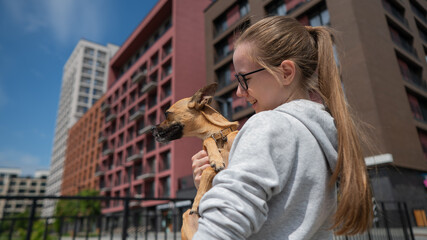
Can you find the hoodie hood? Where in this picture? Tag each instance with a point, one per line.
(319, 122)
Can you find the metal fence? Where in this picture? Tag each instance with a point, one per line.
(160, 222)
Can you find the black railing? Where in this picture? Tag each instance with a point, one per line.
(132, 221)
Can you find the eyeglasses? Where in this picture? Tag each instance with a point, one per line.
(243, 81)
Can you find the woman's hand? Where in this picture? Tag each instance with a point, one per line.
(200, 162)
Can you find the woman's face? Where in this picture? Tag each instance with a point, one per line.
(264, 91)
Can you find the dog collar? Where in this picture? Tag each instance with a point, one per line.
(223, 134)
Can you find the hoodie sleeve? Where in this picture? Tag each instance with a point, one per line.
(261, 161)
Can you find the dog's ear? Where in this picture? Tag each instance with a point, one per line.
(202, 97)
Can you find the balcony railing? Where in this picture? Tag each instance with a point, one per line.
(105, 106)
(108, 151)
(138, 77)
(147, 175)
(102, 138)
(134, 157)
(146, 129)
(149, 87)
(137, 114)
(110, 117)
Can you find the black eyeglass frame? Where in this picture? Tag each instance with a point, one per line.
(242, 80)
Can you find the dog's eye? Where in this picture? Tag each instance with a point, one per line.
(166, 114)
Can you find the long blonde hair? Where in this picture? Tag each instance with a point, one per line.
(278, 38)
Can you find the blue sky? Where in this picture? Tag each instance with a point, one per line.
(37, 37)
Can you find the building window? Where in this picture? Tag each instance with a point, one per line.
(83, 99)
(403, 41)
(100, 64)
(411, 73)
(87, 70)
(277, 7)
(167, 49)
(224, 75)
(395, 10)
(223, 49)
(89, 51)
(154, 61)
(165, 189)
(167, 69)
(165, 161)
(166, 90)
(97, 91)
(88, 61)
(81, 109)
(244, 8)
(101, 54)
(152, 100)
(85, 80)
(84, 89)
(320, 18)
(423, 139)
(99, 83)
(220, 24)
(99, 74)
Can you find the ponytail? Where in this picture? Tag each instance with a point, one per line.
(354, 212)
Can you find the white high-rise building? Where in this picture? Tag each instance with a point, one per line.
(84, 81)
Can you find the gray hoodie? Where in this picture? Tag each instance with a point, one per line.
(276, 184)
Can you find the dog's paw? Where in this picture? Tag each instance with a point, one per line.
(194, 212)
(218, 167)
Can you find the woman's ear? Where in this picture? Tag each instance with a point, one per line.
(288, 72)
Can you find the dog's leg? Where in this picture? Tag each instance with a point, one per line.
(189, 225)
(209, 173)
(215, 158)
(205, 184)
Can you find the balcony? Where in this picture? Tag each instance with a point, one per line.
(134, 157)
(138, 114)
(108, 152)
(105, 106)
(99, 173)
(148, 175)
(138, 77)
(146, 129)
(105, 189)
(149, 87)
(110, 117)
(102, 138)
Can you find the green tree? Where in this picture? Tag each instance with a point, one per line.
(71, 208)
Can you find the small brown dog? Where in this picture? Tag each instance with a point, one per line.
(193, 117)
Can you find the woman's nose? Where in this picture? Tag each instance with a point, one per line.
(240, 92)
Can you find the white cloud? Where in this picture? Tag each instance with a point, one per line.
(74, 19)
(24, 161)
(66, 20)
(26, 14)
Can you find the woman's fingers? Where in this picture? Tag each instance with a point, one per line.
(200, 162)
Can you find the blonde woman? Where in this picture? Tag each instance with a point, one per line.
(281, 181)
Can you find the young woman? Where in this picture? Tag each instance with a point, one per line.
(287, 160)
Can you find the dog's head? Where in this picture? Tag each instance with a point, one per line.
(183, 117)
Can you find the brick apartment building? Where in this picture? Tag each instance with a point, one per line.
(162, 61)
(384, 63)
(82, 153)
